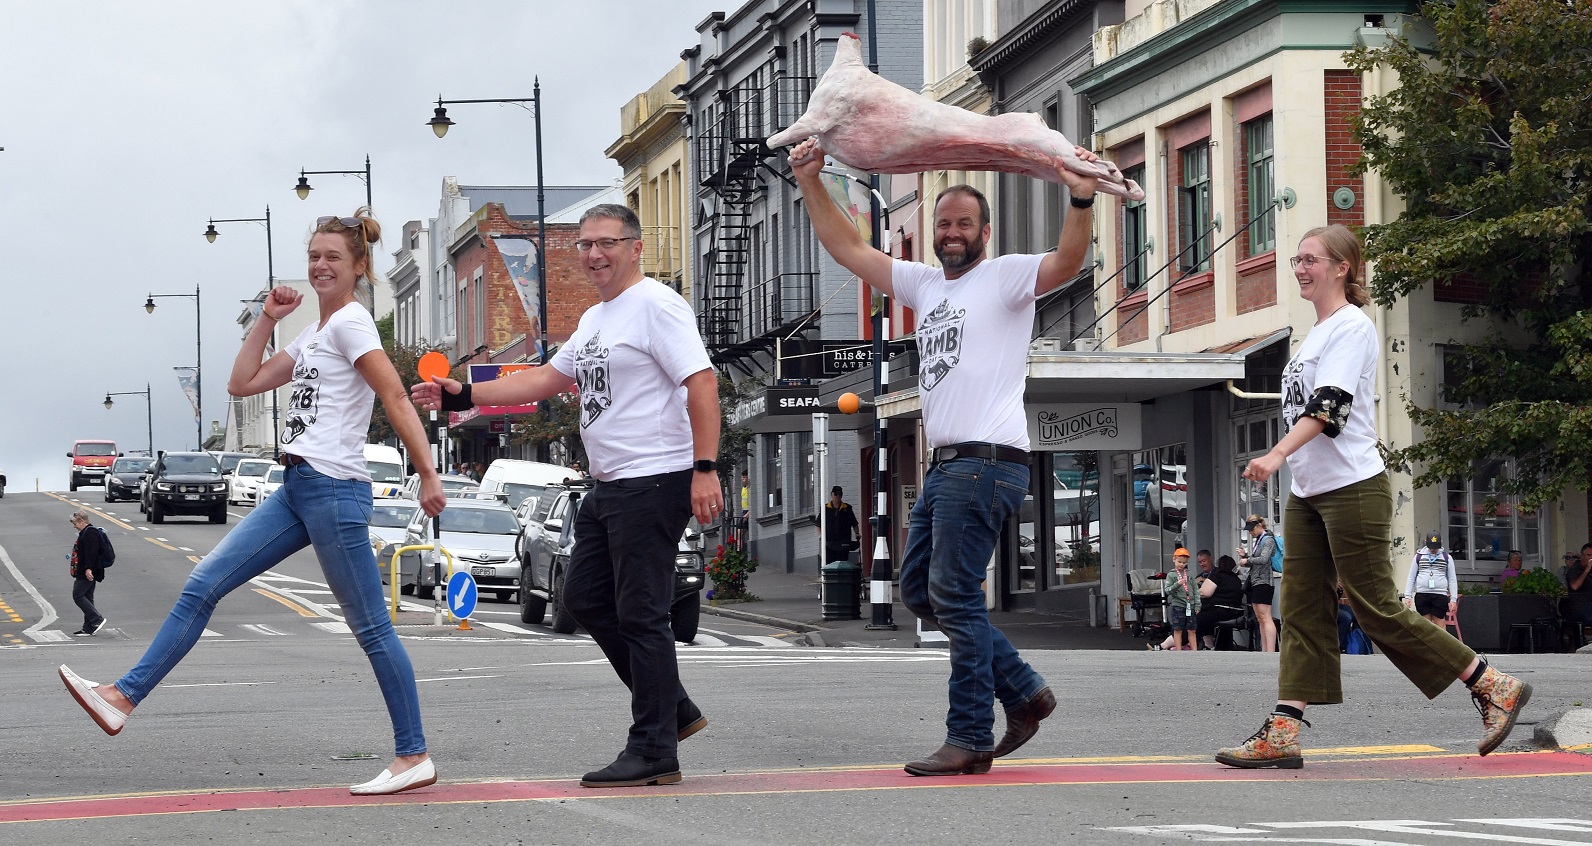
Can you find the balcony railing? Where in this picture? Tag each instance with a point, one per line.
(768, 306)
(744, 117)
(662, 259)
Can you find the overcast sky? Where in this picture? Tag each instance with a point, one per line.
(126, 126)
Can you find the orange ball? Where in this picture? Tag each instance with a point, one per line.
(849, 403)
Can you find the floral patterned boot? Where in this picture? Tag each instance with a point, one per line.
(1499, 698)
(1275, 745)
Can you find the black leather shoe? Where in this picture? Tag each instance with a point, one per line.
(634, 771)
(688, 720)
(951, 760)
(1022, 722)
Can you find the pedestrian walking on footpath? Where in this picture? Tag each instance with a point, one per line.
(649, 417)
(974, 317)
(1432, 588)
(1338, 522)
(337, 368)
(88, 570)
(1260, 580)
(840, 522)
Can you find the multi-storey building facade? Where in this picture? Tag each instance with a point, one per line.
(652, 151)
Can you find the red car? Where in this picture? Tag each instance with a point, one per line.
(91, 460)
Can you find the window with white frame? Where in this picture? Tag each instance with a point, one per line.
(1485, 524)
(773, 474)
(808, 475)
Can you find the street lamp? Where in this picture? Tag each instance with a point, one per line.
(303, 188)
(270, 283)
(148, 411)
(439, 124)
(198, 357)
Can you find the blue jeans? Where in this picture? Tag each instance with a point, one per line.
(952, 532)
(310, 508)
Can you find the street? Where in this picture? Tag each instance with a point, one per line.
(274, 715)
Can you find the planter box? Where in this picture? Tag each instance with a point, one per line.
(1484, 620)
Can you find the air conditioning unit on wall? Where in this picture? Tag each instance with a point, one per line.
(1046, 345)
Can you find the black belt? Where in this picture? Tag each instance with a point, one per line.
(974, 449)
(290, 459)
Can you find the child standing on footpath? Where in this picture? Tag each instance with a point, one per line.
(1182, 600)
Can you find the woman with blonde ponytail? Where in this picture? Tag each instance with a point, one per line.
(1339, 525)
(337, 367)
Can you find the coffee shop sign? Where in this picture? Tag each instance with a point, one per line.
(1072, 427)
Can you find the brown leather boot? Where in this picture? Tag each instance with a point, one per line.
(1022, 722)
(951, 760)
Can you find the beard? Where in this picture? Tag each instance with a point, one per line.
(972, 251)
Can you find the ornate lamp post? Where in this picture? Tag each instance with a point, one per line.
(270, 282)
(148, 411)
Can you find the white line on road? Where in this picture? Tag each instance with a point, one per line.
(261, 629)
(46, 610)
(218, 684)
(334, 628)
(461, 678)
(703, 641)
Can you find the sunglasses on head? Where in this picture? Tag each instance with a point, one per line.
(350, 222)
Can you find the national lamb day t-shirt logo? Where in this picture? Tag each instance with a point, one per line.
(591, 377)
(303, 406)
(940, 343)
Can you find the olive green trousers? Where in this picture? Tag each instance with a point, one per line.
(1347, 534)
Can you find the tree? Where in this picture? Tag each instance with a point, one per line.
(1489, 140)
(406, 360)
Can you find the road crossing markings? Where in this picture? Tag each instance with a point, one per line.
(258, 628)
(333, 627)
(297, 608)
(37, 631)
(892, 778)
(455, 678)
(218, 684)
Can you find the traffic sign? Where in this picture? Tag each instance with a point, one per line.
(462, 594)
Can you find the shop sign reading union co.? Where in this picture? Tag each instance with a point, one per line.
(1055, 427)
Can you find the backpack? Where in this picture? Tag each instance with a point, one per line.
(1276, 555)
(107, 552)
(1358, 643)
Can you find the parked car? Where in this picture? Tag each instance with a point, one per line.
(185, 483)
(122, 480)
(389, 518)
(246, 476)
(451, 485)
(90, 461)
(479, 533)
(532, 513)
(268, 484)
(542, 577)
(386, 466)
(229, 460)
(514, 480)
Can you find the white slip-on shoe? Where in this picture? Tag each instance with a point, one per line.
(108, 718)
(419, 775)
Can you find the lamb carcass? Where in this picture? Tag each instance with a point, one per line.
(872, 124)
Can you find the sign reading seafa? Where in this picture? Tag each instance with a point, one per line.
(1054, 427)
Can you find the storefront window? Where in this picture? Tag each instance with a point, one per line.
(1484, 524)
(773, 475)
(1160, 505)
(1075, 517)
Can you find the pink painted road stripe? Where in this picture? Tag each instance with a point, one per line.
(1368, 769)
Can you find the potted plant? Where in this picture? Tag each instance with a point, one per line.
(728, 570)
(1485, 618)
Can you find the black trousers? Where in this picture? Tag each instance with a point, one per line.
(1209, 615)
(83, 595)
(620, 586)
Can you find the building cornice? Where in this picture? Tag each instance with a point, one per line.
(1014, 45)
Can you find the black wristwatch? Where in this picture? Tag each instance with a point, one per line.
(706, 465)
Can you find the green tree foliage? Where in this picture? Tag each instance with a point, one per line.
(1488, 137)
(406, 360)
(557, 420)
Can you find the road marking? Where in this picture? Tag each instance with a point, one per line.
(301, 610)
(46, 610)
(333, 627)
(186, 549)
(159, 542)
(263, 629)
(48, 636)
(703, 641)
(506, 627)
(217, 684)
(209, 633)
(885, 778)
(457, 678)
(195, 559)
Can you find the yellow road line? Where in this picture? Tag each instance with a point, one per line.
(302, 611)
(74, 505)
(194, 558)
(162, 545)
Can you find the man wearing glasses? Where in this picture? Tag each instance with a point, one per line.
(88, 570)
(649, 417)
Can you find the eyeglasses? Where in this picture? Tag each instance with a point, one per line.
(350, 222)
(1307, 260)
(604, 244)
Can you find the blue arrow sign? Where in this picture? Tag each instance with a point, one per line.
(462, 594)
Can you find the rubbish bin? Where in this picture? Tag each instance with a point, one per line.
(839, 591)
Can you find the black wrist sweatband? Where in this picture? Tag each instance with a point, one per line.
(1081, 202)
(456, 402)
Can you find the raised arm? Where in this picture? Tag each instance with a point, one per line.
(1073, 243)
(840, 239)
(251, 376)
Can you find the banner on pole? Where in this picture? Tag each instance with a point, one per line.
(523, 260)
(188, 378)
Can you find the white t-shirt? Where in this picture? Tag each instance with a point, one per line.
(1341, 352)
(328, 418)
(629, 358)
(973, 347)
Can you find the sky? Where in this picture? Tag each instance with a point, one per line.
(126, 126)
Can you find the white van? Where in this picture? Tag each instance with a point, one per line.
(515, 480)
(386, 467)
